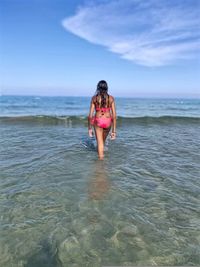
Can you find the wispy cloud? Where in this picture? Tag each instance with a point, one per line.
(150, 33)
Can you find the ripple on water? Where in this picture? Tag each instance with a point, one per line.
(146, 212)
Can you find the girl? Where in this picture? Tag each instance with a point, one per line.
(105, 116)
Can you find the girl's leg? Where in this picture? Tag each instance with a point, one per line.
(105, 134)
(100, 141)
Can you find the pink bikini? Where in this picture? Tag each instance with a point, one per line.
(102, 122)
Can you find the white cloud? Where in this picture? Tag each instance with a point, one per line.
(150, 33)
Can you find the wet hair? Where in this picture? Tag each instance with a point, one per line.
(102, 90)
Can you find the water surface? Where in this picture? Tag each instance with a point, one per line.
(61, 206)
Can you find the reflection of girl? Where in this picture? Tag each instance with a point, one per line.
(99, 184)
(105, 116)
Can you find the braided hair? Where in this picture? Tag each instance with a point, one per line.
(102, 91)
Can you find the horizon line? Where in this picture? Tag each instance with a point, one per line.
(84, 96)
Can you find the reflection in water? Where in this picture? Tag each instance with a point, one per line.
(99, 185)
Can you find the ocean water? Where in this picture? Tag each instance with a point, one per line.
(61, 206)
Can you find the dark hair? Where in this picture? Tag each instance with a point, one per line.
(102, 87)
(102, 91)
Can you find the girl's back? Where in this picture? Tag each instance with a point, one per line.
(103, 103)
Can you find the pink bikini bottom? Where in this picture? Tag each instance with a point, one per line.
(102, 122)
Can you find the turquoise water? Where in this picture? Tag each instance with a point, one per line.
(61, 206)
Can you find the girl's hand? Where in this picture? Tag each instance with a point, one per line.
(90, 132)
(113, 136)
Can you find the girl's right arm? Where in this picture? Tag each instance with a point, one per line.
(113, 108)
(90, 116)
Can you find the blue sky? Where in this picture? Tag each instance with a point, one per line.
(63, 47)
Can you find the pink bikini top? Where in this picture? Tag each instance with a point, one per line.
(102, 109)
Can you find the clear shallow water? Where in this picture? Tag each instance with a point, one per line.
(60, 206)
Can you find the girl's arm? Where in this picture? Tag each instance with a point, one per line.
(90, 116)
(113, 133)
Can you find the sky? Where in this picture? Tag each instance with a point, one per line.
(142, 48)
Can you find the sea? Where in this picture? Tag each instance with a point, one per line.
(61, 206)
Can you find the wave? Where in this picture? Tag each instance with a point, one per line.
(78, 120)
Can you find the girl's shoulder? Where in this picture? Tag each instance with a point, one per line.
(94, 97)
(111, 98)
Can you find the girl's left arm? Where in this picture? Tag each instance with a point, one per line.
(90, 116)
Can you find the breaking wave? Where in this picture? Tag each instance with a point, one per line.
(78, 120)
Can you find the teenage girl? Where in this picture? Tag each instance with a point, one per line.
(104, 119)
